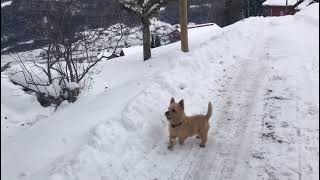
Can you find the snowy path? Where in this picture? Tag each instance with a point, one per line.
(259, 130)
(60, 137)
(229, 137)
(264, 88)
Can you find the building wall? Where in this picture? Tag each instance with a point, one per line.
(278, 10)
(174, 36)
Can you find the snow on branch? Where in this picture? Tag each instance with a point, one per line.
(144, 8)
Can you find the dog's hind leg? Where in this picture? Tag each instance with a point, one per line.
(204, 137)
(181, 140)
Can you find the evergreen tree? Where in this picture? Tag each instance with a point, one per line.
(157, 41)
(256, 7)
(152, 42)
(227, 13)
(121, 53)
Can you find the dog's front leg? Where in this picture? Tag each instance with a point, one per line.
(181, 140)
(171, 142)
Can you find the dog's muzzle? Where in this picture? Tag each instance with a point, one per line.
(167, 115)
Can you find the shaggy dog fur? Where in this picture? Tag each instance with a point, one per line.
(182, 126)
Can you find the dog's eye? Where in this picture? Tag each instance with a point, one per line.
(173, 110)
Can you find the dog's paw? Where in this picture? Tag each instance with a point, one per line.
(202, 145)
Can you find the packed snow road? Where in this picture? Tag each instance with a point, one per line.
(257, 122)
(263, 85)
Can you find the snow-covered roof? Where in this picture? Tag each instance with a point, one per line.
(7, 3)
(200, 25)
(303, 4)
(279, 2)
(108, 53)
(192, 25)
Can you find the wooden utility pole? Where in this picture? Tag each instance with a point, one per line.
(184, 25)
(286, 7)
(248, 8)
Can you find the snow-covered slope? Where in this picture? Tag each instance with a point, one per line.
(261, 74)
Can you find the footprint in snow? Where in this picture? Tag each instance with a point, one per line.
(182, 86)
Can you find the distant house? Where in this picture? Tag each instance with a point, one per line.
(174, 36)
(279, 7)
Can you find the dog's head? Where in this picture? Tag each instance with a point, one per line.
(175, 111)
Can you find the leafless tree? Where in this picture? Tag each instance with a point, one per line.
(145, 9)
(67, 58)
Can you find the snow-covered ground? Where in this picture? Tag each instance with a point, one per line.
(7, 3)
(261, 74)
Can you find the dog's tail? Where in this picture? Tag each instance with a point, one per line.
(209, 112)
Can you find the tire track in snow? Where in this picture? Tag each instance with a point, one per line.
(283, 153)
(229, 135)
(226, 138)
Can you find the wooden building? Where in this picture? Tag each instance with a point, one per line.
(279, 7)
(174, 36)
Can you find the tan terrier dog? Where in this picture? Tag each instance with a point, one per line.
(182, 126)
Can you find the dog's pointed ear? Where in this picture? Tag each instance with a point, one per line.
(172, 100)
(181, 103)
